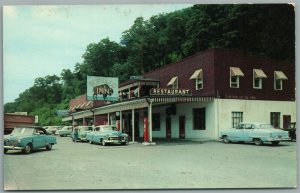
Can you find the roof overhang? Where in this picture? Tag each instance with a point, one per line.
(136, 104)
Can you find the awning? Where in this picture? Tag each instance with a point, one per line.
(172, 81)
(258, 73)
(279, 75)
(236, 71)
(135, 104)
(198, 74)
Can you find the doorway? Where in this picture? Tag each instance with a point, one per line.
(181, 127)
(286, 121)
(168, 127)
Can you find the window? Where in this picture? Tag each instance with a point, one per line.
(234, 82)
(258, 75)
(278, 77)
(237, 117)
(235, 73)
(199, 118)
(156, 122)
(173, 82)
(275, 119)
(199, 84)
(198, 76)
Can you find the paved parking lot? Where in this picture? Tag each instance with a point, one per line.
(167, 165)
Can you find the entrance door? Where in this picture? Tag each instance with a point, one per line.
(181, 127)
(168, 127)
(286, 121)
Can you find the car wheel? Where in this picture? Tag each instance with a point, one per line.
(90, 141)
(27, 149)
(49, 146)
(275, 142)
(103, 142)
(225, 139)
(258, 141)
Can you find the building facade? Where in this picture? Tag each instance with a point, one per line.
(203, 94)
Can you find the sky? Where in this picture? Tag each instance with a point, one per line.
(41, 40)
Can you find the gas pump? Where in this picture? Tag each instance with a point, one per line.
(146, 130)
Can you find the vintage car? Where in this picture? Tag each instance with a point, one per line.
(258, 133)
(64, 131)
(28, 138)
(107, 134)
(82, 132)
(292, 131)
(52, 129)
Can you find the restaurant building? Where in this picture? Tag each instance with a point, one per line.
(199, 96)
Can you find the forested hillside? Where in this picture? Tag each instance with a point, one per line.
(264, 30)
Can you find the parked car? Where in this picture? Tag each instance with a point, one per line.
(258, 133)
(64, 131)
(292, 131)
(82, 131)
(107, 134)
(27, 139)
(52, 129)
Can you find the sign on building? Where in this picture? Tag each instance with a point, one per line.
(62, 112)
(170, 92)
(102, 88)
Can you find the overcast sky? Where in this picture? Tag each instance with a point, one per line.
(43, 40)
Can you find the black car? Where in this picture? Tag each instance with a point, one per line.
(292, 131)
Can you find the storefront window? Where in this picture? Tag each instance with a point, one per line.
(275, 119)
(199, 118)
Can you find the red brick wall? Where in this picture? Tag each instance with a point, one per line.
(224, 59)
(184, 70)
(12, 121)
(216, 65)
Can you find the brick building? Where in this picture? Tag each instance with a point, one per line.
(203, 94)
(12, 120)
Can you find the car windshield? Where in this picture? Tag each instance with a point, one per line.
(23, 131)
(86, 128)
(266, 126)
(109, 128)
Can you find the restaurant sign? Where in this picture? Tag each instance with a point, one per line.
(170, 92)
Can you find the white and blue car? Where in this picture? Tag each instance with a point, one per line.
(107, 134)
(28, 138)
(257, 133)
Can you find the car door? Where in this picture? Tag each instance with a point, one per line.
(247, 132)
(237, 133)
(39, 139)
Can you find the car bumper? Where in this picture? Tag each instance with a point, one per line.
(115, 141)
(279, 139)
(13, 148)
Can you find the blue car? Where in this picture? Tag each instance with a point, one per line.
(257, 133)
(107, 134)
(82, 131)
(28, 138)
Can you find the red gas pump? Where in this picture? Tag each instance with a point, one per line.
(146, 130)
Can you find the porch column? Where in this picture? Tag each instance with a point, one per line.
(150, 120)
(121, 125)
(108, 119)
(132, 123)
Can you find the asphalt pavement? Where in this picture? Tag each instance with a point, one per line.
(167, 165)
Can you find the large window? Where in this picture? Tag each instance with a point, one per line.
(275, 119)
(156, 122)
(237, 117)
(199, 118)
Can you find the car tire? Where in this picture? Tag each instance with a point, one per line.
(90, 141)
(275, 142)
(257, 141)
(28, 148)
(225, 139)
(49, 146)
(103, 142)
